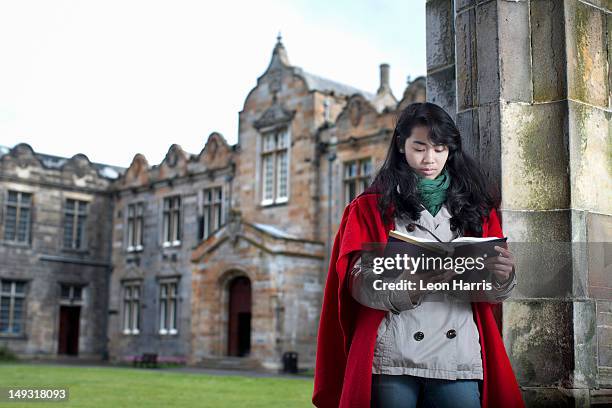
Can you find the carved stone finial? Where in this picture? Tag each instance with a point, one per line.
(279, 53)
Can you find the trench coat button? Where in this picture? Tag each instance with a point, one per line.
(410, 227)
(451, 334)
(418, 336)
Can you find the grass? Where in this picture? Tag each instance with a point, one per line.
(128, 387)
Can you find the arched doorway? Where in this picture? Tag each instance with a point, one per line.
(239, 317)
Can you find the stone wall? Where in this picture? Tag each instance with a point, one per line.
(531, 94)
(179, 174)
(43, 262)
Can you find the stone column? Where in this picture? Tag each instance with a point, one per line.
(531, 95)
(441, 54)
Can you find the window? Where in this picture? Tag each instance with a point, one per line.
(356, 177)
(135, 224)
(73, 293)
(12, 297)
(18, 216)
(275, 167)
(167, 307)
(131, 308)
(172, 221)
(75, 215)
(212, 214)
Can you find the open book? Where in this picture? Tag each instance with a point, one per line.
(462, 246)
(462, 254)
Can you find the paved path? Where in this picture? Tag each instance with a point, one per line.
(187, 370)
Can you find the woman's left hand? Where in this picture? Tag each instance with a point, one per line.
(501, 265)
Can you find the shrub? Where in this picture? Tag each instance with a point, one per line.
(6, 354)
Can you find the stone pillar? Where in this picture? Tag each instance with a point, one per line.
(441, 54)
(531, 95)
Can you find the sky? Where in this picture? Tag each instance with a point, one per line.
(112, 78)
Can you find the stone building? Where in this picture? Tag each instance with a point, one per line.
(249, 262)
(216, 258)
(222, 254)
(55, 252)
(161, 213)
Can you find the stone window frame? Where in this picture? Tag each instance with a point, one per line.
(12, 294)
(172, 239)
(134, 236)
(275, 151)
(79, 220)
(130, 306)
(19, 208)
(359, 181)
(208, 208)
(72, 298)
(168, 310)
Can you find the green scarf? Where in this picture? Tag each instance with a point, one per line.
(433, 192)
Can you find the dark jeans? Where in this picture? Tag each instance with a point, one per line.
(407, 391)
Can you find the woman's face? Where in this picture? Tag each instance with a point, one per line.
(425, 158)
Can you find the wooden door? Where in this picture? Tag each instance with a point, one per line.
(68, 342)
(239, 324)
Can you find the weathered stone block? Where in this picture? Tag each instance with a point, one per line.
(585, 344)
(604, 322)
(487, 53)
(467, 122)
(441, 90)
(534, 156)
(548, 50)
(514, 51)
(460, 5)
(540, 342)
(555, 398)
(440, 33)
(599, 227)
(605, 4)
(587, 75)
(580, 253)
(591, 157)
(540, 242)
(490, 141)
(466, 63)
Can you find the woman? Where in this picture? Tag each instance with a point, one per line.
(389, 349)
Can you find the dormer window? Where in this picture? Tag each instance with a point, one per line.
(275, 166)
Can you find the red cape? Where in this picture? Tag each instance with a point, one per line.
(347, 329)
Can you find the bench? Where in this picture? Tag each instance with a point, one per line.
(146, 360)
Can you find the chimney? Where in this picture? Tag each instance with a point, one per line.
(384, 79)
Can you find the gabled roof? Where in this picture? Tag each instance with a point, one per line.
(269, 238)
(280, 60)
(317, 83)
(50, 161)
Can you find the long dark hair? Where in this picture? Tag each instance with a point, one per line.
(469, 197)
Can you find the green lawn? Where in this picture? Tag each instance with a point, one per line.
(127, 387)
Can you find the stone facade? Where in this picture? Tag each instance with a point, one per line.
(158, 260)
(59, 290)
(281, 246)
(529, 84)
(219, 258)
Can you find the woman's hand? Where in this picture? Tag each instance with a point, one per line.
(501, 265)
